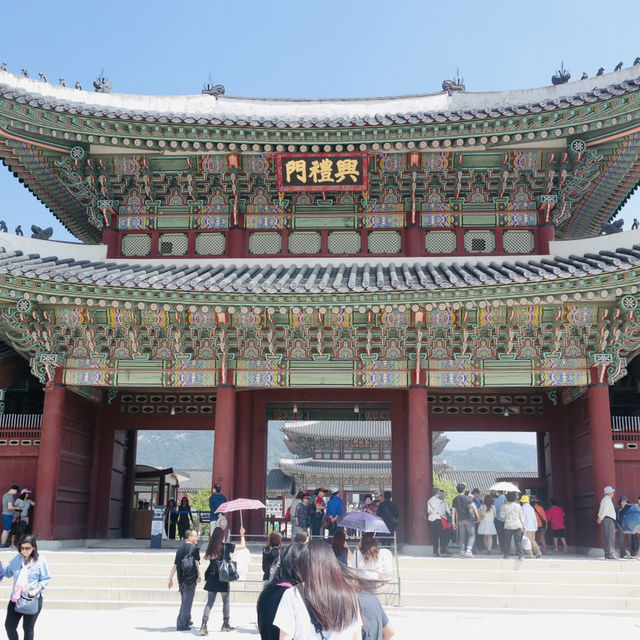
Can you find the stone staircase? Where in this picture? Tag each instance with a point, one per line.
(116, 579)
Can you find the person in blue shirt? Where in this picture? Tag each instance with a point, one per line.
(216, 499)
(30, 576)
(499, 520)
(335, 507)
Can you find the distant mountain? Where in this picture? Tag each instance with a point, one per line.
(194, 450)
(497, 456)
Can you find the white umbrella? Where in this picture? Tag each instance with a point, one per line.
(504, 486)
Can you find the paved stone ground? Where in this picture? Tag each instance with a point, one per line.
(159, 623)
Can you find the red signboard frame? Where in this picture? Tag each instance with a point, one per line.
(329, 186)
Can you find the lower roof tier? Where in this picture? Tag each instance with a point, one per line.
(528, 322)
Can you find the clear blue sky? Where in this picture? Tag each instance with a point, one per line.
(306, 50)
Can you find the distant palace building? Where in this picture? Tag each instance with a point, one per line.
(436, 259)
(354, 456)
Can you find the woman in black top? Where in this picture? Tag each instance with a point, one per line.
(286, 576)
(217, 550)
(271, 554)
(170, 519)
(185, 519)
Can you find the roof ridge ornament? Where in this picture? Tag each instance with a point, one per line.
(214, 90)
(561, 76)
(101, 84)
(457, 84)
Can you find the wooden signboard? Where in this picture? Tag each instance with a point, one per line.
(322, 171)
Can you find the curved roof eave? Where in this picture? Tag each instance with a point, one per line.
(317, 112)
(53, 264)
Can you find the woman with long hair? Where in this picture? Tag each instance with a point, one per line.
(185, 519)
(487, 527)
(30, 577)
(368, 560)
(324, 604)
(340, 546)
(285, 577)
(271, 554)
(217, 549)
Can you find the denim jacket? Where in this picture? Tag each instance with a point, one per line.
(38, 572)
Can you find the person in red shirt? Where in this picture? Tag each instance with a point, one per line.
(556, 516)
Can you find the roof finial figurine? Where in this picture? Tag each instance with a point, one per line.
(213, 89)
(3, 226)
(19, 230)
(25, 72)
(42, 77)
(3, 66)
(561, 76)
(101, 84)
(618, 66)
(584, 75)
(41, 234)
(457, 84)
(636, 61)
(600, 71)
(78, 86)
(635, 224)
(608, 228)
(62, 82)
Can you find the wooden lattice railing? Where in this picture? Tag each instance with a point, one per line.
(625, 428)
(20, 426)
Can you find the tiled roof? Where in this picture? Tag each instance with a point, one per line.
(335, 468)
(339, 429)
(482, 479)
(314, 114)
(278, 482)
(375, 275)
(198, 479)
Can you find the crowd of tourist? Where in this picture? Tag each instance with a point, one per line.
(499, 520)
(314, 587)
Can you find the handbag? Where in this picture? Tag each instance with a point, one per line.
(445, 522)
(26, 605)
(227, 568)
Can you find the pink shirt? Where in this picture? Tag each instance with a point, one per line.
(556, 517)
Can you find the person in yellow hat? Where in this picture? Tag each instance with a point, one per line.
(530, 526)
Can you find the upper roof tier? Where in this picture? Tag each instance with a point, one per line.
(318, 113)
(83, 153)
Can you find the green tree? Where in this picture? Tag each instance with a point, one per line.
(200, 501)
(447, 486)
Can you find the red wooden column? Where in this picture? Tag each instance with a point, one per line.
(419, 464)
(48, 468)
(224, 449)
(258, 468)
(602, 464)
(102, 471)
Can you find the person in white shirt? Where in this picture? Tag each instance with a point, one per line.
(530, 526)
(513, 525)
(436, 511)
(324, 603)
(607, 518)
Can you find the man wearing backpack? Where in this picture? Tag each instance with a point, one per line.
(187, 566)
(463, 515)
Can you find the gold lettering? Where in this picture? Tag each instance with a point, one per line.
(296, 168)
(347, 168)
(321, 171)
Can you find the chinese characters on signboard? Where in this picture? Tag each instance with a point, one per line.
(322, 171)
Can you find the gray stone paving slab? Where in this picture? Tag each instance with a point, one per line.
(159, 623)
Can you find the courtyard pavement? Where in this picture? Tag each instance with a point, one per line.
(159, 623)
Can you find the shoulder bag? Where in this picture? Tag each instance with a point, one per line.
(227, 568)
(26, 605)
